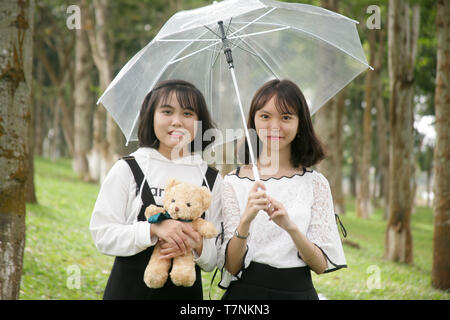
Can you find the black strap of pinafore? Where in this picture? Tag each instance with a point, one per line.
(210, 176)
(146, 194)
(339, 223)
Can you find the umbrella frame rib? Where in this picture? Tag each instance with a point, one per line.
(156, 81)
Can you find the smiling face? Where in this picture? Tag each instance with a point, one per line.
(276, 127)
(174, 126)
(279, 113)
(181, 107)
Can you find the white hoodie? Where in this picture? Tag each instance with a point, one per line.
(114, 224)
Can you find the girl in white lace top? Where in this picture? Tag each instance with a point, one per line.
(277, 229)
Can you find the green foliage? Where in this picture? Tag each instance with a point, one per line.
(58, 242)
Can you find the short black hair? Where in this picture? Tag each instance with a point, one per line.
(188, 96)
(306, 148)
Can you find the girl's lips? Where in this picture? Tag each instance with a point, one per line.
(176, 133)
(274, 137)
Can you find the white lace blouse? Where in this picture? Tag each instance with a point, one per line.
(308, 201)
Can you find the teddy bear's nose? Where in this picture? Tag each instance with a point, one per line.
(176, 209)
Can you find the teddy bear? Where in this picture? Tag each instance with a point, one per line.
(186, 202)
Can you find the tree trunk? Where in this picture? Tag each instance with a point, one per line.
(328, 125)
(82, 106)
(363, 203)
(441, 236)
(30, 192)
(59, 82)
(355, 123)
(105, 146)
(402, 51)
(39, 117)
(382, 127)
(16, 41)
(428, 187)
(338, 195)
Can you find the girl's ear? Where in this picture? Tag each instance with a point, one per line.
(206, 197)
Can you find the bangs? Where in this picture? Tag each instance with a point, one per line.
(284, 106)
(187, 99)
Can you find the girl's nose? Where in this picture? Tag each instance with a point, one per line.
(176, 121)
(274, 127)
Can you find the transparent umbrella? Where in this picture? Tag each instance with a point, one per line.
(229, 49)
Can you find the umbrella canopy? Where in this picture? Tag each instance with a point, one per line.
(317, 49)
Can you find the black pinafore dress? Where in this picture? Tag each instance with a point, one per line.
(126, 281)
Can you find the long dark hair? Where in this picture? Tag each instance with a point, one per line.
(188, 96)
(306, 148)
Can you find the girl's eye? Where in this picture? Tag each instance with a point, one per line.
(166, 111)
(188, 114)
(264, 116)
(287, 117)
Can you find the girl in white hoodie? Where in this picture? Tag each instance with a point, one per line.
(168, 123)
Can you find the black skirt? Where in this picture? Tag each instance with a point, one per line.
(263, 282)
(126, 282)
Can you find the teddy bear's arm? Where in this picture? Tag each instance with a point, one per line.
(205, 228)
(152, 210)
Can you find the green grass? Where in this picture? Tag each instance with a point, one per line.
(58, 242)
(396, 280)
(59, 250)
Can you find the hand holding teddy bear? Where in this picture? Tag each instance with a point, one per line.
(186, 203)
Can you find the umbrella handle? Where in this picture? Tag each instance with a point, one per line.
(229, 57)
(226, 47)
(247, 135)
(255, 173)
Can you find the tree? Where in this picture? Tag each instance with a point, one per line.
(54, 52)
(82, 105)
(363, 205)
(381, 123)
(402, 44)
(441, 237)
(16, 41)
(103, 153)
(328, 125)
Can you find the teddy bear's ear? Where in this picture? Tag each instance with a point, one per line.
(171, 183)
(206, 197)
